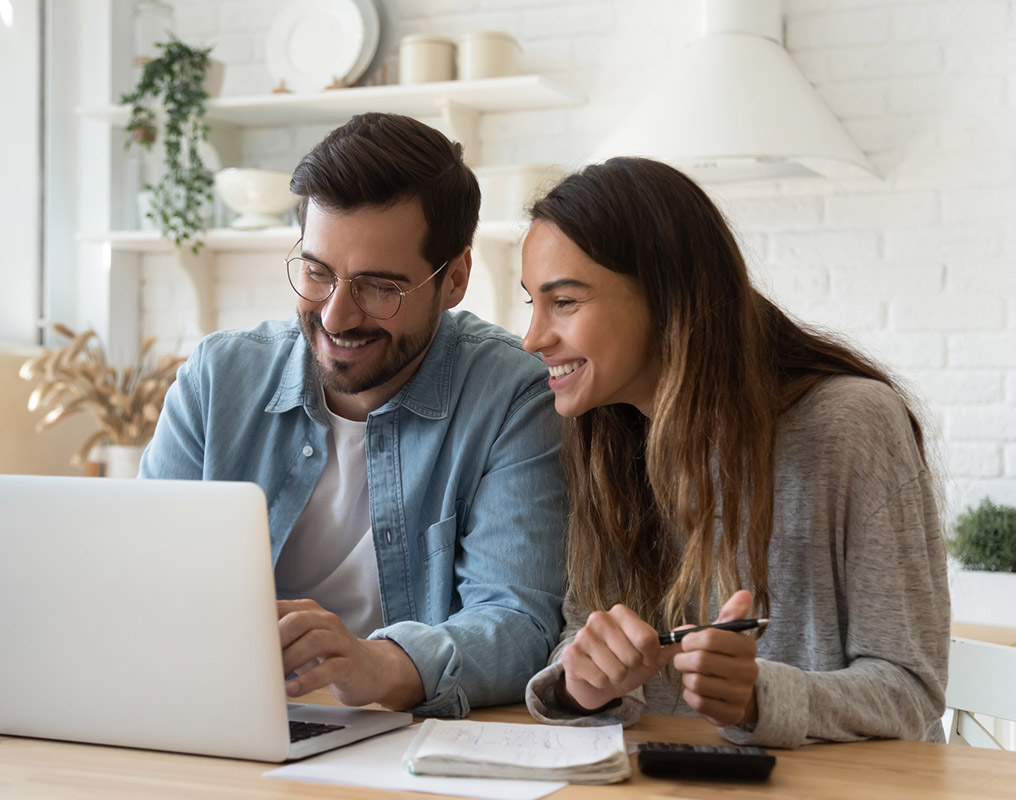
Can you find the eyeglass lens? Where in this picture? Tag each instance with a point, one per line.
(378, 297)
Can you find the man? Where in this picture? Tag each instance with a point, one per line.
(410, 456)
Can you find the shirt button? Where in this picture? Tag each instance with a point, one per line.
(308, 450)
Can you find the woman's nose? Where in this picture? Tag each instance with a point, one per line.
(535, 339)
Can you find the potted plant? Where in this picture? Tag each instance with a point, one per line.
(169, 103)
(125, 402)
(984, 545)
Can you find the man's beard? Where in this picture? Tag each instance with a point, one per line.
(342, 378)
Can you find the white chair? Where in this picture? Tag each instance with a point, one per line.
(982, 680)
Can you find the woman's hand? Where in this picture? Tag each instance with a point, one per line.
(719, 670)
(614, 653)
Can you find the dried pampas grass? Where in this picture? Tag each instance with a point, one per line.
(126, 403)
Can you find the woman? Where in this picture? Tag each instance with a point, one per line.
(717, 451)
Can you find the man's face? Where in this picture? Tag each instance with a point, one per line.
(363, 362)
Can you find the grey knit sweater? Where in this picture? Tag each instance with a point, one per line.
(857, 646)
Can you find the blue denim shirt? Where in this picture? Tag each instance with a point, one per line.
(467, 493)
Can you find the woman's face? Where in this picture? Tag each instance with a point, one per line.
(590, 325)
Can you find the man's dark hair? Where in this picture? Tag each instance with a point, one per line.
(382, 159)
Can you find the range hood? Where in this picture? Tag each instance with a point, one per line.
(733, 106)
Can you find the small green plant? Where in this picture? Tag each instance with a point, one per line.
(986, 538)
(171, 92)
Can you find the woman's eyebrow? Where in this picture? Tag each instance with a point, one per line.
(560, 283)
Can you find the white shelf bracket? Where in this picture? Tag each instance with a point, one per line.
(496, 256)
(462, 124)
(200, 269)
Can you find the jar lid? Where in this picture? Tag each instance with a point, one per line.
(425, 38)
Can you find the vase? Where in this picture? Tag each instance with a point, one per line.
(983, 598)
(123, 460)
(153, 22)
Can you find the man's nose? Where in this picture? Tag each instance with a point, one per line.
(340, 312)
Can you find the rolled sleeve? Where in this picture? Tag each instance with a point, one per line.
(438, 660)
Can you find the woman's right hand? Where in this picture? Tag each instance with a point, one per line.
(614, 653)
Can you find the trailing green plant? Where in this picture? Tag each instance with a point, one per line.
(986, 538)
(170, 93)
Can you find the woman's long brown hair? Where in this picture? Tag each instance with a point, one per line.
(660, 507)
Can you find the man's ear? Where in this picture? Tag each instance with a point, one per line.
(454, 285)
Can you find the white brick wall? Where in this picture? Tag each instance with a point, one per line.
(917, 266)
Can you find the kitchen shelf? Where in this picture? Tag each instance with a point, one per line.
(516, 93)
(228, 239)
(200, 267)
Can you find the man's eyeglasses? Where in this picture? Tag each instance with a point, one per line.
(379, 298)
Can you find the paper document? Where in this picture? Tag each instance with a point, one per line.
(509, 750)
(377, 763)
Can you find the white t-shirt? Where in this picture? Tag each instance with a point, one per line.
(329, 556)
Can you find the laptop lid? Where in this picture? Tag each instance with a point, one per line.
(142, 613)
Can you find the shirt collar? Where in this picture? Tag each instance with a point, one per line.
(427, 393)
(297, 384)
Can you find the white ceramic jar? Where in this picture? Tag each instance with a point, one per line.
(488, 54)
(424, 58)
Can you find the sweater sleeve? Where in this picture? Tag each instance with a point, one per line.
(875, 663)
(541, 692)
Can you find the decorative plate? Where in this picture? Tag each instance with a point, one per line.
(371, 38)
(314, 44)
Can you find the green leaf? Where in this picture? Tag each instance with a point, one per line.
(174, 82)
(986, 538)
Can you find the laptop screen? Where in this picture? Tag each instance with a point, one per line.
(145, 615)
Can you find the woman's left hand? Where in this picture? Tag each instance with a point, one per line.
(718, 669)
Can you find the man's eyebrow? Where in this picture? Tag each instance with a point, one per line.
(373, 273)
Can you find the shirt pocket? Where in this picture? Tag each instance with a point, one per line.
(437, 550)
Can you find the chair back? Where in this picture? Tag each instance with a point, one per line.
(23, 450)
(982, 680)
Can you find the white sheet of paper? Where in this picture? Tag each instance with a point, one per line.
(377, 762)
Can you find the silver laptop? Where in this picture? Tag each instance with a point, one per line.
(142, 614)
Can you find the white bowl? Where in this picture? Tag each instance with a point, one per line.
(259, 196)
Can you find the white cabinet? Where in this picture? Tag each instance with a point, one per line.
(459, 103)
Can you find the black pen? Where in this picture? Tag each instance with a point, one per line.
(673, 637)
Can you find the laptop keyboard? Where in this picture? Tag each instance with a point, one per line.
(298, 731)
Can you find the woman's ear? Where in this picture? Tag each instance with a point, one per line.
(457, 279)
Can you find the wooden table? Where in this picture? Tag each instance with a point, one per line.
(996, 634)
(32, 769)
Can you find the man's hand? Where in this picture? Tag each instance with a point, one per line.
(615, 652)
(719, 670)
(318, 646)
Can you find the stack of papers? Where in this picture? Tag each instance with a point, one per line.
(505, 750)
(377, 762)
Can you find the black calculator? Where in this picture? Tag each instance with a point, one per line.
(693, 761)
